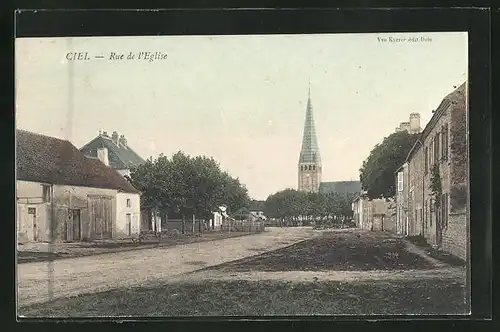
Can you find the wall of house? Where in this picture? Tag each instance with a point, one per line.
(30, 226)
(430, 229)
(76, 197)
(390, 223)
(402, 202)
(378, 222)
(121, 214)
(416, 187)
(455, 235)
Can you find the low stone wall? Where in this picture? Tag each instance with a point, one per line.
(455, 235)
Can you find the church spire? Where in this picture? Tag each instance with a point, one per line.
(310, 149)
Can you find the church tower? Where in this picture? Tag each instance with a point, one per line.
(309, 167)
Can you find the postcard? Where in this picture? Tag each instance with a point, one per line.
(242, 175)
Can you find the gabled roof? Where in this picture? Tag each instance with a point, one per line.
(340, 187)
(120, 156)
(310, 149)
(51, 160)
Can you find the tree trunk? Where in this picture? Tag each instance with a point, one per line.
(194, 223)
(183, 225)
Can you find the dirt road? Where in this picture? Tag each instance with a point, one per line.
(74, 276)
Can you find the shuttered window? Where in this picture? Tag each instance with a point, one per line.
(400, 181)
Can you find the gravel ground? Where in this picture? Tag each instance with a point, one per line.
(38, 252)
(41, 281)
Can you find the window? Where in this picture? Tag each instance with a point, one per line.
(425, 213)
(400, 181)
(129, 204)
(426, 162)
(310, 167)
(445, 142)
(444, 209)
(314, 167)
(46, 193)
(436, 148)
(431, 153)
(431, 210)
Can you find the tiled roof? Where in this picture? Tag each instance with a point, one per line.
(120, 157)
(341, 187)
(52, 160)
(310, 149)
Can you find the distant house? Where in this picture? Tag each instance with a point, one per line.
(60, 189)
(372, 214)
(340, 187)
(442, 144)
(113, 151)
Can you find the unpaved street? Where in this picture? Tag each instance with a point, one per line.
(81, 275)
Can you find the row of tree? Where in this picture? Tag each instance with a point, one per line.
(291, 206)
(184, 185)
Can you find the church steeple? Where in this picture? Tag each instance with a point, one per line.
(310, 158)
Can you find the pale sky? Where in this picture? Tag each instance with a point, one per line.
(239, 99)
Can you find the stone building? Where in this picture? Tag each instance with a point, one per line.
(412, 126)
(310, 167)
(114, 151)
(373, 214)
(440, 150)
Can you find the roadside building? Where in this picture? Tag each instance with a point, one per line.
(439, 157)
(372, 214)
(60, 190)
(115, 152)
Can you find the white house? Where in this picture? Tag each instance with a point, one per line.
(60, 190)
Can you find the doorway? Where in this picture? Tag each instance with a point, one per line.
(32, 216)
(128, 224)
(439, 228)
(77, 225)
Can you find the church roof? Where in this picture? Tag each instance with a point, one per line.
(120, 156)
(340, 187)
(310, 149)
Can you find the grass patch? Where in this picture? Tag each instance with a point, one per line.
(264, 298)
(334, 251)
(436, 253)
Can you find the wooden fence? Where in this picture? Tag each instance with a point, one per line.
(243, 226)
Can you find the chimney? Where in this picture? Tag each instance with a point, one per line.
(102, 154)
(114, 137)
(122, 140)
(105, 133)
(415, 123)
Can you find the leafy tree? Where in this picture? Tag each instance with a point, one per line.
(290, 205)
(378, 170)
(186, 186)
